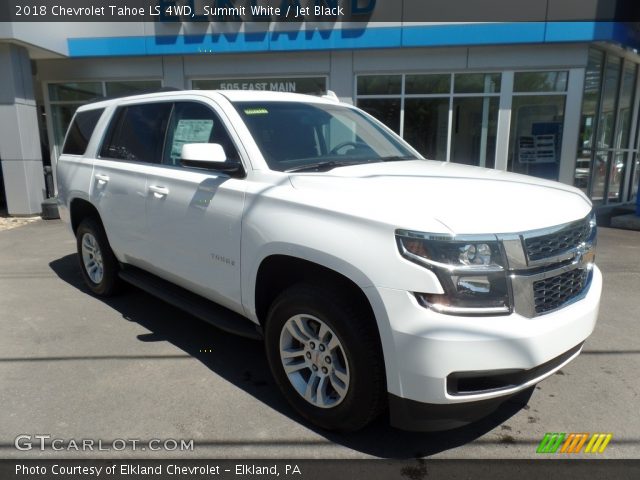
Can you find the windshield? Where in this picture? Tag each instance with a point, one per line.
(296, 136)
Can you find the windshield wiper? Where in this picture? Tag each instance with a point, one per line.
(320, 166)
(331, 164)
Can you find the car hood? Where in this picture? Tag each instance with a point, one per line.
(443, 197)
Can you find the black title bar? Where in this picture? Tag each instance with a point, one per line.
(292, 469)
(319, 10)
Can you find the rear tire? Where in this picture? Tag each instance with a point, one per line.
(98, 264)
(326, 358)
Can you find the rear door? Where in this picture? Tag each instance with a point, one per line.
(132, 145)
(195, 215)
(74, 170)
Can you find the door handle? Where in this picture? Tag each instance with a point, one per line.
(102, 179)
(159, 191)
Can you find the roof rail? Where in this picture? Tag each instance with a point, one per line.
(140, 92)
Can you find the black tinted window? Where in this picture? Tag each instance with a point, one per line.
(137, 133)
(80, 131)
(294, 135)
(193, 122)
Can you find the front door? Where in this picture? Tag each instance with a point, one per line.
(194, 215)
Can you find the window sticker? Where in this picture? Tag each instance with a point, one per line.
(256, 111)
(190, 131)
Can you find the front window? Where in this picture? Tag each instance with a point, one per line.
(296, 136)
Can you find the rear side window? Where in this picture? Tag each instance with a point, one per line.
(80, 131)
(136, 133)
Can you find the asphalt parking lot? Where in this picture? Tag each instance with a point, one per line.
(77, 367)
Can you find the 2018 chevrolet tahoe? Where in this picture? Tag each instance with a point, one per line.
(377, 279)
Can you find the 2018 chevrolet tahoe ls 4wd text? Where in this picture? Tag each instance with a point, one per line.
(376, 278)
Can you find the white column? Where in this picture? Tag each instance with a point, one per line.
(19, 136)
(484, 136)
(504, 121)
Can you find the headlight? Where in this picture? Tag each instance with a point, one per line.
(472, 271)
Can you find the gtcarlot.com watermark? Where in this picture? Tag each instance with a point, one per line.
(46, 442)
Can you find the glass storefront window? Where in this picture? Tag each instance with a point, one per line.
(427, 126)
(65, 98)
(475, 127)
(379, 84)
(599, 175)
(477, 83)
(583, 170)
(119, 89)
(61, 116)
(605, 154)
(469, 101)
(635, 178)
(616, 176)
(588, 120)
(540, 82)
(387, 110)
(536, 135)
(625, 105)
(74, 91)
(591, 98)
(537, 123)
(428, 84)
(635, 168)
(606, 120)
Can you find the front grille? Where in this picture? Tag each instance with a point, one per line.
(553, 293)
(557, 243)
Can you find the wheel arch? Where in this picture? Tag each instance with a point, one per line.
(277, 264)
(79, 209)
(280, 271)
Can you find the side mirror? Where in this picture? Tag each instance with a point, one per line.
(209, 156)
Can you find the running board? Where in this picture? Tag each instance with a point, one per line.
(198, 306)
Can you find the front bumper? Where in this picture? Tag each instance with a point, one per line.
(429, 352)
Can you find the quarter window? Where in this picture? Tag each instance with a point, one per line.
(80, 132)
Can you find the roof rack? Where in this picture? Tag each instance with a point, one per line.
(141, 92)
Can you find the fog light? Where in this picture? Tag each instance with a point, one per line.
(473, 285)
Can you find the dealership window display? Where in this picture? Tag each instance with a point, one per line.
(537, 123)
(606, 166)
(445, 116)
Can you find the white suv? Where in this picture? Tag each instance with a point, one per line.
(376, 278)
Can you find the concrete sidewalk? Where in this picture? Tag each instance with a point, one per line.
(76, 367)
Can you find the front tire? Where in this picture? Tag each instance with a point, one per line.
(98, 264)
(325, 356)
